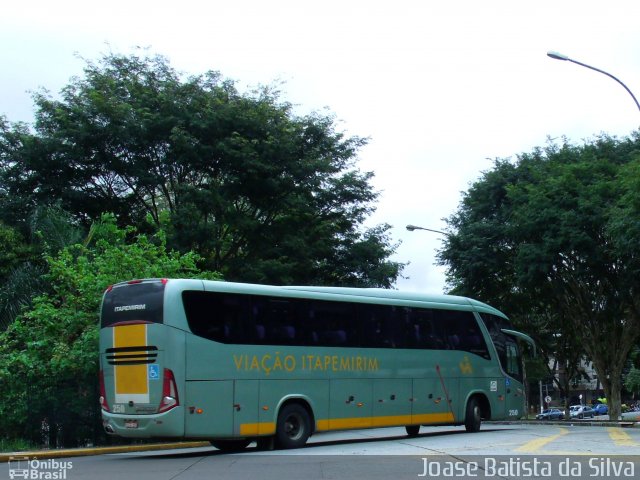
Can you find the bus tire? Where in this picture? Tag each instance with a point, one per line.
(231, 445)
(412, 430)
(473, 417)
(293, 427)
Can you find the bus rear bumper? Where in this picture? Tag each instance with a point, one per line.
(166, 425)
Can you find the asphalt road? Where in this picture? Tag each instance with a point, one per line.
(497, 451)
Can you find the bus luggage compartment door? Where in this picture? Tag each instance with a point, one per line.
(245, 408)
(350, 403)
(434, 400)
(209, 409)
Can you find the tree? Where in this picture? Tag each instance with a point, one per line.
(49, 354)
(49, 229)
(632, 381)
(261, 194)
(555, 238)
(482, 258)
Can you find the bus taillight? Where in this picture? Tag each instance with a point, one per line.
(103, 394)
(169, 392)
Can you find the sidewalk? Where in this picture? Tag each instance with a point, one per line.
(79, 452)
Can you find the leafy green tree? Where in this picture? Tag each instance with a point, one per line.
(49, 230)
(482, 256)
(551, 237)
(49, 354)
(15, 250)
(632, 381)
(261, 194)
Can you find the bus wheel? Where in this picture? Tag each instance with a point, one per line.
(412, 430)
(294, 426)
(472, 418)
(231, 445)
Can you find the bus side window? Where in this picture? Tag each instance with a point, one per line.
(200, 309)
(334, 337)
(260, 333)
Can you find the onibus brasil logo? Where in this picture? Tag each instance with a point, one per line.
(51, 469)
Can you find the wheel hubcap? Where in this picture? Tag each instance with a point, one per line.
(292, 427)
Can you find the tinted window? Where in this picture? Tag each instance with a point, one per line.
(463, 332)
(506, 346)
(133, 302)
(251, 319)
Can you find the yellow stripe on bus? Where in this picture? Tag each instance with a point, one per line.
(384, 421)
(131, 379)
(269, 428)
(261, 428)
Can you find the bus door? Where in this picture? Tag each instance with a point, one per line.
(514, 389)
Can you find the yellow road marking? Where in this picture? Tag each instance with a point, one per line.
(621, 438)
(538, 443)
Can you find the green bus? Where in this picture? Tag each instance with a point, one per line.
(233, 363)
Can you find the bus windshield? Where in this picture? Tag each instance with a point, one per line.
(133, 301)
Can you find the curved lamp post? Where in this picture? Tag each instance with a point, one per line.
(560, 56)
(411, 228)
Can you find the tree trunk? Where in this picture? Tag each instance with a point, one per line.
(612, 388)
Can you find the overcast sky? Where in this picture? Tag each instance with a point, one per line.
(440, 89)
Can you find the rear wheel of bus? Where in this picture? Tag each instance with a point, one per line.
(293, 427)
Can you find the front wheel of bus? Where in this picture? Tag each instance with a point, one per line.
(231, 445)
(473, 418)
(294, 426)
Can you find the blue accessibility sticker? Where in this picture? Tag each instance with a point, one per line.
(154, 371)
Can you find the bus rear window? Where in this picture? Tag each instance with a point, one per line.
(142, 302)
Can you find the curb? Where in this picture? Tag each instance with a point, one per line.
(81, 452)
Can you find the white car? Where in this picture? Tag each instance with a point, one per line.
(581, 411)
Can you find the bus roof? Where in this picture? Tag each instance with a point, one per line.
(360, 295)
(400, 296)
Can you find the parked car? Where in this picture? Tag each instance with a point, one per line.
(550, 414)
(581, 411)
(601, 409)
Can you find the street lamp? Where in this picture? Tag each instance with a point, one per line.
(560, 56)
(411, 228)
